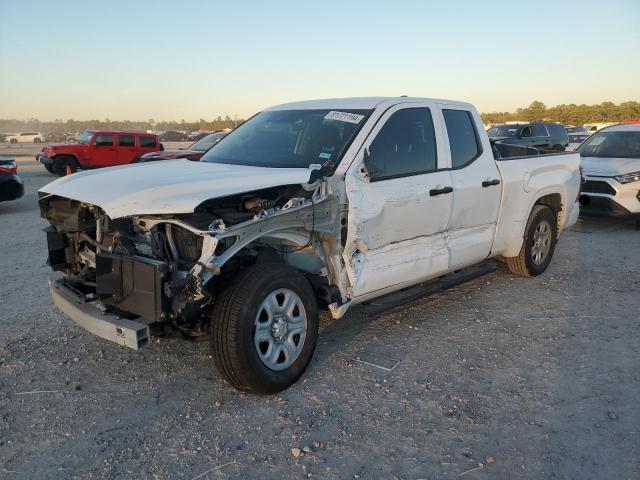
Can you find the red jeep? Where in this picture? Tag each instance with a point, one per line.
(96, 149)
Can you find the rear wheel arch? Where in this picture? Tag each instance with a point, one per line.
(555, 202)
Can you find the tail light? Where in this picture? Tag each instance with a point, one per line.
(8, 166)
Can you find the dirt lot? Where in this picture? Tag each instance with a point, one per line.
(532, 378)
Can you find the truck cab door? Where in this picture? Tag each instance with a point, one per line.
(476, 186)
(399, 203)
(127, 151)
(102, 151)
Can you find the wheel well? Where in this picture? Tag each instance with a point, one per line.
(61, 155)
(554, 202)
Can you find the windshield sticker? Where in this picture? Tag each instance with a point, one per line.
(325, 155)
(343, 117)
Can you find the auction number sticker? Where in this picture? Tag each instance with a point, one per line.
(343, 117)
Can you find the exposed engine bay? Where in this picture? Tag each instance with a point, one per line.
(170, 268)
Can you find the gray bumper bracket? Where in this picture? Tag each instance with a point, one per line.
(130, 333)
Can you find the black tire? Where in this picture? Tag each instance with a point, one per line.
(61, 162)
(525, 264)
(13, 140)
(234, 321)
(37, 140)
(49, 168)
(638, 224)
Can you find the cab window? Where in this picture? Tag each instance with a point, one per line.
(404, 146)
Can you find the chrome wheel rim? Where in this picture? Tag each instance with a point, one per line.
(280, 329)
(541, 242)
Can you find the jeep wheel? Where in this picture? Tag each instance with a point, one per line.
(62, 163)
(264, 329)
(540, 239)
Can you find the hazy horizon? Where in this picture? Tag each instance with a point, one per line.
(197, 60)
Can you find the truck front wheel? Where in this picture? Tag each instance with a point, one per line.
(264, 328)
(540, 239)
(64, 163)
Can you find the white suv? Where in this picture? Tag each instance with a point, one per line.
(611, 165)
(24, 137)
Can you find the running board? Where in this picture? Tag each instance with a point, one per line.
(417, 292)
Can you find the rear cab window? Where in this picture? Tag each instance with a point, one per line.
(463, 137)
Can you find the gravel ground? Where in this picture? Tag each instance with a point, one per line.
(502, 377)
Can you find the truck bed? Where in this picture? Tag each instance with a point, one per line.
(535, 176)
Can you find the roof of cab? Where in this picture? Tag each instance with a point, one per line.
(359, 103)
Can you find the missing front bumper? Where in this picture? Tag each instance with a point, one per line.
(129, 333)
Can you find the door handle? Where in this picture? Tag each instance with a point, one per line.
(440, 191)
(490, 183)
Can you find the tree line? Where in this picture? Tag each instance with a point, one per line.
(73, 126)
(570, 114)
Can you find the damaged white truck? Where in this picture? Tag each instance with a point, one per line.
(307, 205)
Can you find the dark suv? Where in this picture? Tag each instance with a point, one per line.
(544, 136)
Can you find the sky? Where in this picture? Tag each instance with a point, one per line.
(172, 60)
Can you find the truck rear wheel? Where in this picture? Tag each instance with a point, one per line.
(61, 162)
(540, 239)
(264, 329)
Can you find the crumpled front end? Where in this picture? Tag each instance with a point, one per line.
(167, 270)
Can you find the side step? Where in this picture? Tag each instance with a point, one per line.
(128, 333)
(411, 294)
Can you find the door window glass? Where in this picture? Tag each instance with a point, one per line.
(540, 131)
(104, 140)
(405, 145)
(527, 131)
(127, 141)
(463, 139)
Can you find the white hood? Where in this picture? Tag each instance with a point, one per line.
(609, 166)
(167, 186)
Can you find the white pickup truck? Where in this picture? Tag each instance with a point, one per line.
(307, 205)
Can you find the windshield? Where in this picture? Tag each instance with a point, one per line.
(204, 144)
(86, 136)
(503, 131)
(612, 144)
(290, 138)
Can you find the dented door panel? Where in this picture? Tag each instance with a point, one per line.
(397, 230)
